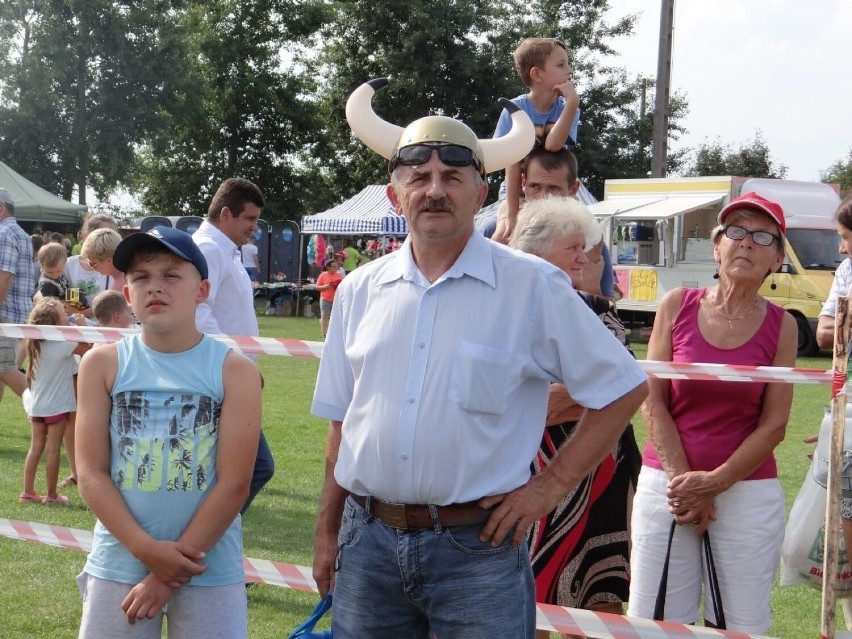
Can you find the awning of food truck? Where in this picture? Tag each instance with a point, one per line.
(671, 206)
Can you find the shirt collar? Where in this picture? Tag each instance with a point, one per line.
(217, 236)
(475, 260)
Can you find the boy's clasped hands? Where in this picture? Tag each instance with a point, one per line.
(172, 565)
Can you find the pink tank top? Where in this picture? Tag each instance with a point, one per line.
(713, 417)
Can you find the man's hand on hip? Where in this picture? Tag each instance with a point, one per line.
(518, 510)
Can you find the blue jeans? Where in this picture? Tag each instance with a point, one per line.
(264, 468)
(432, 582)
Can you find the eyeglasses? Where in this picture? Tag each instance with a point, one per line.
(762, 238)
(449, 154)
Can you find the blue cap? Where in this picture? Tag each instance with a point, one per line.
(173, 240)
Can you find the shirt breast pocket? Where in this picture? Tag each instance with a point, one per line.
(481, 378)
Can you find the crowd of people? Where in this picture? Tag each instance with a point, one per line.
(491, 467)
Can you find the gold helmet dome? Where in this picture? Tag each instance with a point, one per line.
(385, 138)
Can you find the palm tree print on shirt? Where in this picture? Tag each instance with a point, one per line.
(164, 440)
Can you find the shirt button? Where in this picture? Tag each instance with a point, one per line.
(421, 345)
(410, 400)
(404, 457)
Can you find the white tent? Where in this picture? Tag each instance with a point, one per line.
(370, 212)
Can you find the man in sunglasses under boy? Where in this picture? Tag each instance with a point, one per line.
(435, 379)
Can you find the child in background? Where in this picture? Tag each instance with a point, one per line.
(552, 104)
(327, 284)
(168, 433)
(49, 373)
(53, 282)
(111, 310)
(37, 241)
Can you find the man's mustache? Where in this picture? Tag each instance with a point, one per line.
(441, 204)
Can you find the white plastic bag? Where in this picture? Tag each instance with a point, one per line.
(804, 542)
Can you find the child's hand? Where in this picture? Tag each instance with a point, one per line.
(146, 599)
(172, 562)
(567, 91)
(80, 319)
(503, 230)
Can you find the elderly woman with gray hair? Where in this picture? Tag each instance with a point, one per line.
(580, 551)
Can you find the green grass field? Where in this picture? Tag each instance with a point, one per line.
(38, 594)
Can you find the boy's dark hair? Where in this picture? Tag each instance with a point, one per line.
(38, 242)
(533, 52)
(553, 161)
(56, 237)
(843, 215)
(106, 304)
(234, 193)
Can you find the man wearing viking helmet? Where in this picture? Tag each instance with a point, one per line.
(435, 379)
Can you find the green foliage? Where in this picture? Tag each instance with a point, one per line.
(84, 81)
(841, 173)
(615, 136)
(239, 109)
(168, 97)
(462, 66)
(753, 159)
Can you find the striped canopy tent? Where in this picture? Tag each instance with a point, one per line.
(370, 212)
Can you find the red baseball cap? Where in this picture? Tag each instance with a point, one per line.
(755, 202)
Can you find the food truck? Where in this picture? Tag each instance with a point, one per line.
(658, 230)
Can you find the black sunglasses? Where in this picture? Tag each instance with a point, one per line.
(449, 154)
(763, 238)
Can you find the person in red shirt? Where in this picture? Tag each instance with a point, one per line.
(327, 284)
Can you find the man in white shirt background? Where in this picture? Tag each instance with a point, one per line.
(231, 219)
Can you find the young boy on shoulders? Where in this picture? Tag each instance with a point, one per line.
(167, 433)
(552, 104)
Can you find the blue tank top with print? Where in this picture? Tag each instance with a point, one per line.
(164, 430)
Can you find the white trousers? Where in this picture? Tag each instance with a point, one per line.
(746, 540)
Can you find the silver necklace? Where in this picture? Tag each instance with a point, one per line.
(731, 320)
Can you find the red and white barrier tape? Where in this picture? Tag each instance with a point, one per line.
(553, 618)
(98, 335)
(300, 348)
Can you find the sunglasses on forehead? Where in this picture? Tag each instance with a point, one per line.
(449, 154)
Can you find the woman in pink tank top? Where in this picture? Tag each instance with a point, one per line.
(708, 463)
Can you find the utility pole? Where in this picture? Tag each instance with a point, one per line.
(659, 140)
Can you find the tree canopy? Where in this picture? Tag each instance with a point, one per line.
(752, 159)
(841, 173)
(168, 97)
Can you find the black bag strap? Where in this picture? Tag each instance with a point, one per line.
(660, 605)
(715, 592)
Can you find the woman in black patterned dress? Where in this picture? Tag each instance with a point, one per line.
(579, 552)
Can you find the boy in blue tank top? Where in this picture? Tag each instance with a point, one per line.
(167, 431)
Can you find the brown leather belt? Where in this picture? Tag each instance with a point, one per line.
(411, 516)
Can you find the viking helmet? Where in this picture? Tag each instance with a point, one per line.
(385, 138)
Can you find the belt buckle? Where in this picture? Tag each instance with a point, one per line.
(396, 517)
